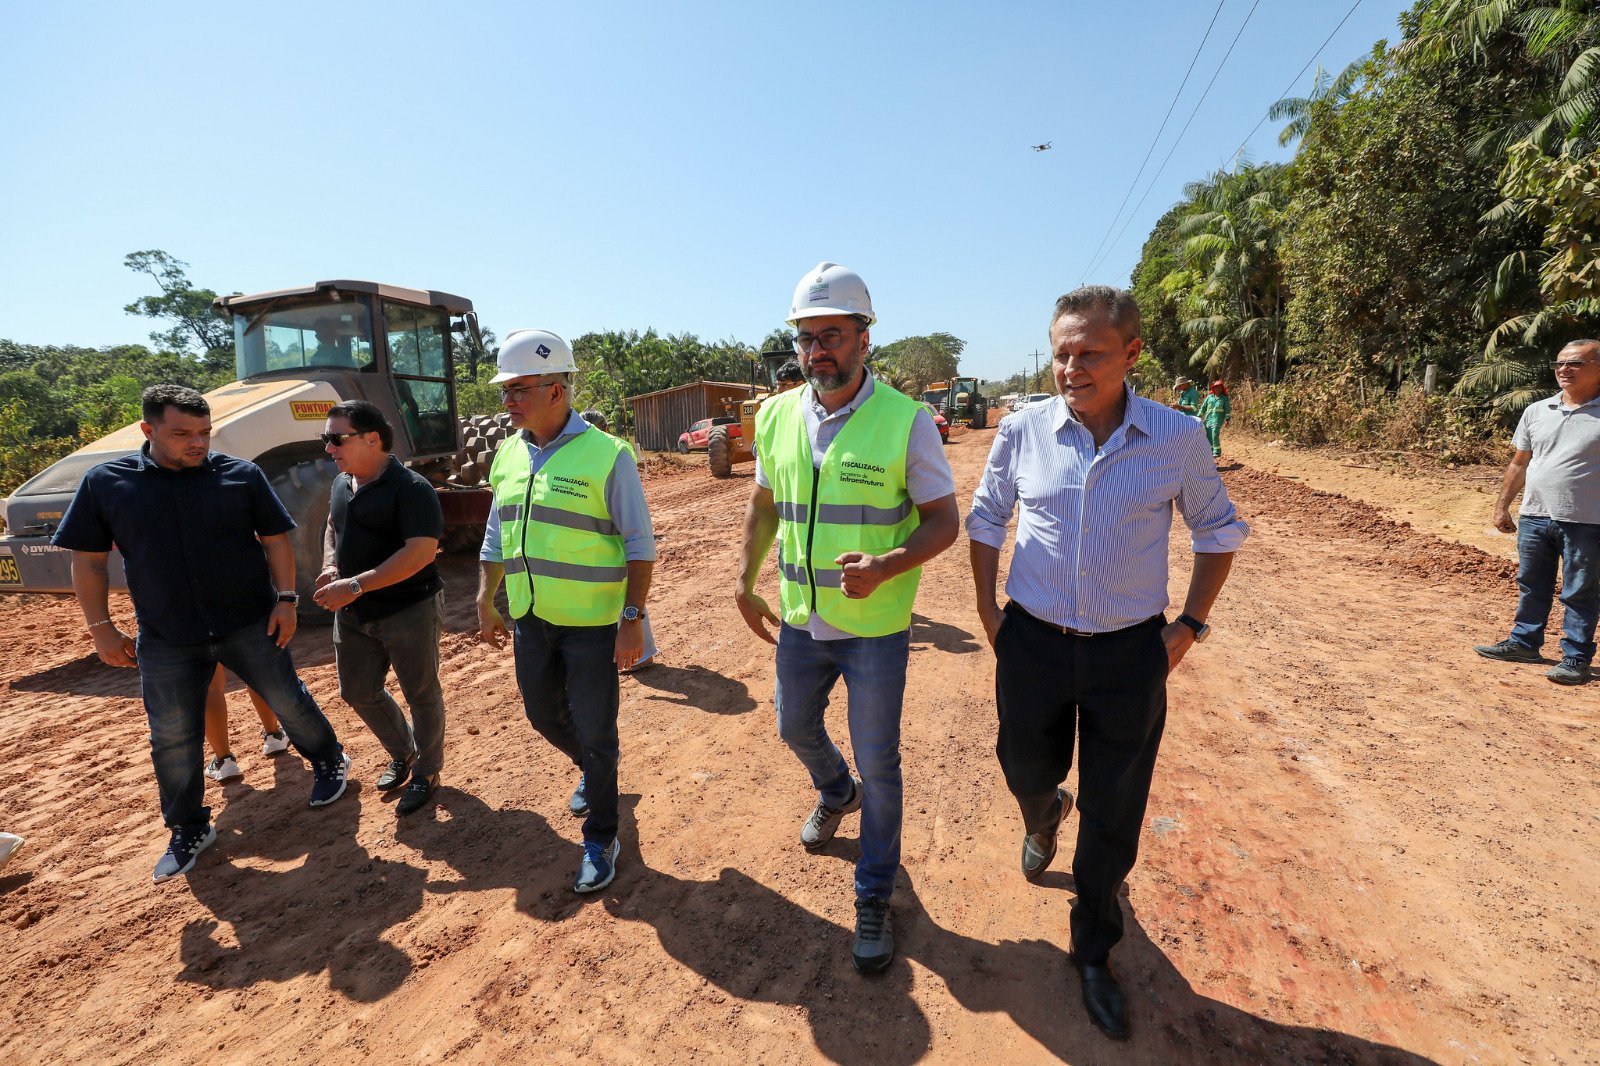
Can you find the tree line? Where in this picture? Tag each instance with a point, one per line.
(1441, 209)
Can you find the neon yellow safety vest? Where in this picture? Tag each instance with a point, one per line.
(563, 556)
(856, 502)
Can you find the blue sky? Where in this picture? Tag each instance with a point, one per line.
(621, 165)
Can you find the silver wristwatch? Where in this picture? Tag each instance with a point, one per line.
(355, 585)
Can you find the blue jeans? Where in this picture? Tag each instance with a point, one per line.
(173, 679)
(1541, 543)
(874, 672)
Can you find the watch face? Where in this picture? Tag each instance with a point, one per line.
(631, 614)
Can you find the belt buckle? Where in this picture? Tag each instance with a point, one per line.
(1069, 631)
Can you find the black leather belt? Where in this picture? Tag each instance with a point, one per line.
(1069, 631)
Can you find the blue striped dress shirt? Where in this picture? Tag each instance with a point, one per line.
(1092, 533)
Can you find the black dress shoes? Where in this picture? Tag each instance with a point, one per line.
(1103, 999)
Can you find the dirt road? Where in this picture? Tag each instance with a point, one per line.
(1365, 844)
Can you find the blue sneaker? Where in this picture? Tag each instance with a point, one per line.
(184, 849)
(579, 803)
(599, 866)
(328, 780)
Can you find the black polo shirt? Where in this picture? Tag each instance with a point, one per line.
(371, 525)
(195, 569)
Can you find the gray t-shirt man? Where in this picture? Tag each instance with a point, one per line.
(1564, 474)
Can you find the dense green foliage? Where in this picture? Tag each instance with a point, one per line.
(1441, 210)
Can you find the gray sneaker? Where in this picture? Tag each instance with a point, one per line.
(1509, 651)
(824, 820)
(1569, 671)
(184, 849)
(873, 949)
(1038, 849)
(579, 803)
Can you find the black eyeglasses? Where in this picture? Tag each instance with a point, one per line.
(1568, 364)
(829, 339)
(516, 392)
(338, 439)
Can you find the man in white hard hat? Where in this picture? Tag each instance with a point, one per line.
(570, 537)
(853, 483)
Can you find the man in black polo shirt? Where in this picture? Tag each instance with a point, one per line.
(384, 525)
(205, 545)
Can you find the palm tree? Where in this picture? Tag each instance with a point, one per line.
(1230, 286)
(1328, 93)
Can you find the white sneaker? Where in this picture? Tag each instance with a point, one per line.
(10, 844)
(273, 743)
(222, 768)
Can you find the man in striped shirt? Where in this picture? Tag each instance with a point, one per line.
(1083, 647)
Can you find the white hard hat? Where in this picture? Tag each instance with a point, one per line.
(533, 351)
(830, 289)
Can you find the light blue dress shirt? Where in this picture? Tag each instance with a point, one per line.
(1093, 525)
(624, 498)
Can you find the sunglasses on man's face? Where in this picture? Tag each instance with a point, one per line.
(1568, 364)
(828, 340)
(336, 439)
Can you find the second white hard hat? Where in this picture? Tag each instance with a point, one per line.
(830, 289)
(533, 351)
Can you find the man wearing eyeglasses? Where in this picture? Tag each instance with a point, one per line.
(1083, 648)
(378, 577)
(852, 481)
(570, 537)
(1556, 467)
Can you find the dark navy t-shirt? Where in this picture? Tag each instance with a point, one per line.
(195, 569)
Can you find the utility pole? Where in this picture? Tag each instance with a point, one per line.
(1036, 355)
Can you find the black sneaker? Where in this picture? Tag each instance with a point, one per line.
(1569, 671)
(1509, 651)
(873, 949)
(417, 794)
(579, 803)
(185, 846)
(395, 775)
(328, 780)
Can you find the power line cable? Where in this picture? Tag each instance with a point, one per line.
(1134, 184)
(1296, 78)
(1178, 140)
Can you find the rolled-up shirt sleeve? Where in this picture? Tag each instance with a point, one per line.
(629, 511)
(490, 552)
(996, 495)
(1214, 524)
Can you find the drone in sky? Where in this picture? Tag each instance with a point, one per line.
(1045, 147)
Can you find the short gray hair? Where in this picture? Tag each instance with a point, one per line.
(1118, 305)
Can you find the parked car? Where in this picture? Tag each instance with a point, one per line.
(1036, 398)
(940, 423)
(698, 436)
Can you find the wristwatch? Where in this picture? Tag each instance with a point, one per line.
(288, 597)
(1201, 630)
(631, 613)
(355, 585)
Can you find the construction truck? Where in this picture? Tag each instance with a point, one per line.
(959, 401)
(729, 444)
(299, 352)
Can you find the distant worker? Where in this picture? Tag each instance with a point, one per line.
(647, 660)
(790, 376)
(223, 766)
(1083, 648)
(1557, 458)
(570, 537)
(10, 844)
(852, 481)
(1188, 397)
(205, 544)
(332, 349)
(1216, 411)
(379, 579)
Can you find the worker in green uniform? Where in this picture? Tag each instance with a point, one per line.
(1216, 410)
(1188, 397)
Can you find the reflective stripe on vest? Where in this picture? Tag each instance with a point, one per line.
(563, 555)
(857, 501)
